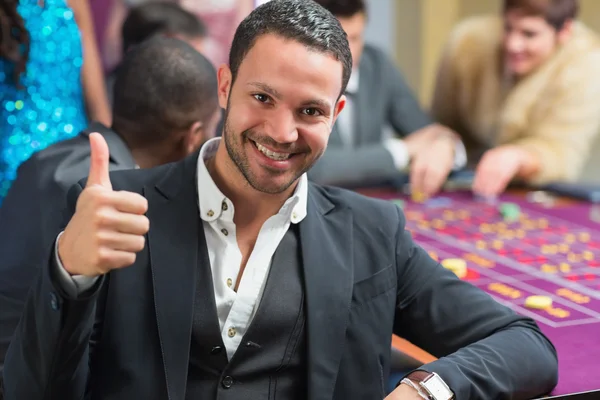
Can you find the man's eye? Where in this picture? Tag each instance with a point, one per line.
(311, 112)
(261, 97)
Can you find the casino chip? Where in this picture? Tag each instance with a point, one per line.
(510, 212)
(538, 302)
(456, 265)
(418, 197)
(541, 197)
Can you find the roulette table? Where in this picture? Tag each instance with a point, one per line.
(549, 249)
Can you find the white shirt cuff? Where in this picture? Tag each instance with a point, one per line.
(399, 152)
(72, 285)
(460, 156)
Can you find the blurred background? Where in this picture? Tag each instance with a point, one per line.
(412, 32)
(415, 31)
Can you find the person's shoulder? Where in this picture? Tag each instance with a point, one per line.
(365, 209)
(378, 67)
(480, 28)
(370, 51)
(477, 34)
(573, 69)
(54, 158)
(134, 180)
(584, 38)
(377, 56)
(57, 150)
(580, 56)
(474, 46)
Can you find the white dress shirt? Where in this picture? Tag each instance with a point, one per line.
(234, 309)
(395, 146)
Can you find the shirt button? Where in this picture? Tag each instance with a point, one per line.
(229, 282)
(231, 332)
(54, 302)
(224, 231)
(224, 206)
(294, 216)
(227, 382)
(210, 213)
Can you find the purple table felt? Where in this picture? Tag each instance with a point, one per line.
(552, 252)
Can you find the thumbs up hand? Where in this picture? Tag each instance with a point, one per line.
(108, 227)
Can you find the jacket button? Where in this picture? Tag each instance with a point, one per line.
(216, 350)
(54, 302)
(227, 382)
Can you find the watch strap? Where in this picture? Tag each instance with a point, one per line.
(417, 388)
(419, 377)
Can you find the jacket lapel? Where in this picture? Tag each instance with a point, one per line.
(173, 241)
(326, 237)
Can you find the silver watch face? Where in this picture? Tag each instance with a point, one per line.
(437, 388)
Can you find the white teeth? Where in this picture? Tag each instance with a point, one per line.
(271, 154)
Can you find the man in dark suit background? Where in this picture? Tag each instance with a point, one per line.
(165, 108)
(152, 19)
(230, 275)
(383, 130)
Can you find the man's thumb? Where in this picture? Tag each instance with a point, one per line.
(98, 162)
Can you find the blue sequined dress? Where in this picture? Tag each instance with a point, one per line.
(50, 107)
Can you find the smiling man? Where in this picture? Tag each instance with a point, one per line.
(229, 275)
(523, 91)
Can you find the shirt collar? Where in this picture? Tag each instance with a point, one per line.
(212, 202)
(352, 86)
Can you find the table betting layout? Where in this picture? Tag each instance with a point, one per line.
(550, 250)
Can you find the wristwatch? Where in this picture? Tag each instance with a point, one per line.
(429, 385)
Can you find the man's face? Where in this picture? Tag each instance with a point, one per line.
(280, 111)
(529, 41)
(354, 27)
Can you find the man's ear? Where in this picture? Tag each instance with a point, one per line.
(194, 137)
(224, 84)
(565, 33)
(339, 106)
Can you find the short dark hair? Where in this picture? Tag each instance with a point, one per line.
(159, 18)
(555, 12)
(344, 8)
(301, 20)
(163, 85)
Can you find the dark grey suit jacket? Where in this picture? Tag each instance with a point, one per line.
(383, 97)
(33, 211)
(364, 278)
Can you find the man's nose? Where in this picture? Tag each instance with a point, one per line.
(514, 43)
(282, 127)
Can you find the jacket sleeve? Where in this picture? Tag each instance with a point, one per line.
(484, 349)
(342, 166)
(21, 248)
(404, 113)
(49, 355)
